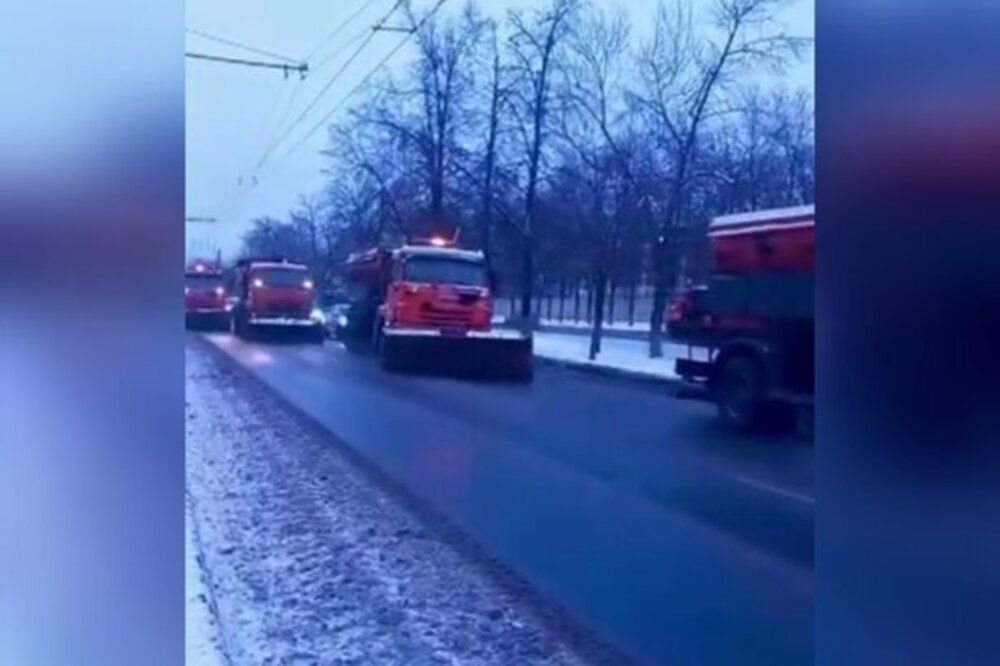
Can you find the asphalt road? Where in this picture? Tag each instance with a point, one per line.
(669, 536)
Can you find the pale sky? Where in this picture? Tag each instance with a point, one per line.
(233, 113)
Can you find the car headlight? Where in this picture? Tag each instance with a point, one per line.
(342, 321)
(317, 316)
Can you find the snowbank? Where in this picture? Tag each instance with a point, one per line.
(617, 354)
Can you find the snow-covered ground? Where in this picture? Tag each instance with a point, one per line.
(638, 326)
(616, 353)
(201, 634)
(303, 559)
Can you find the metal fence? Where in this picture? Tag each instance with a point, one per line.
(629, 306)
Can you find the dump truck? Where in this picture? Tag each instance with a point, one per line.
(205, 295)
(750, 327)
(278, 296)
(430, 304)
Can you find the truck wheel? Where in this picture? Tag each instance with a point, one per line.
(739, 391)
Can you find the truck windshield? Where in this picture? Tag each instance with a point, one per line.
(442, 270)
(280, 277)
(202, 281)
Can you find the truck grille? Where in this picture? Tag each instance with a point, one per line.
(444, 317)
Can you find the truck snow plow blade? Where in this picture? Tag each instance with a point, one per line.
(495, 354)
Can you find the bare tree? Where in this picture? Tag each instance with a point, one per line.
(793, 134)
(533, 45)
(307, 217)
(426, 110)
(684, 73)
(498, 93)
(270, 237)
(378, 156)
(571, 157)
(594, 123)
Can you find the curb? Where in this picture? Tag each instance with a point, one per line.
(613, 373)
(583, 330)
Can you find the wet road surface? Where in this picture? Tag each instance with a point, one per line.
(671, 537)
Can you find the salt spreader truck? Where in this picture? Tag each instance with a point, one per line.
(278, 296)
(752, 322)
(430, 304)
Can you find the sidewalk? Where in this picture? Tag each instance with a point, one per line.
(637, 327)
(619, 356)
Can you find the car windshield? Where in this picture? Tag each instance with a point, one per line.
(280, 277)
(203, 281)
(443, 270)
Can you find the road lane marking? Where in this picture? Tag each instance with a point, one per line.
(761, 485)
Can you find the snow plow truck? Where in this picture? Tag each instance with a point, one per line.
(278, 296)
(429, 304)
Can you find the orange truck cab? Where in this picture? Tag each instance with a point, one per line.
(276, 294)
(205, 296)
(430, 302)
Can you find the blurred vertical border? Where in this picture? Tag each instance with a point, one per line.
(908, 423)
(91, 250)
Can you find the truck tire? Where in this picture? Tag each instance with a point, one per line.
(739, 391)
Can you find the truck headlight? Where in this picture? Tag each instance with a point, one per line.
(317, 316)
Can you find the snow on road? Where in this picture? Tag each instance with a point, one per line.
(616, 353)
(310, 561)
(201, 635)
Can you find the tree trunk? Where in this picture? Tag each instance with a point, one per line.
(491, 139)
(548, 300)
(611, 301)
(590, 300)
(576, 300)
(662, 263)
(659, 298)
(631, 303)
(562, 298)
(527, 281)
(600, 287)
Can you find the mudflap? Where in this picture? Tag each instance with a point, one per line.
(478, 357)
